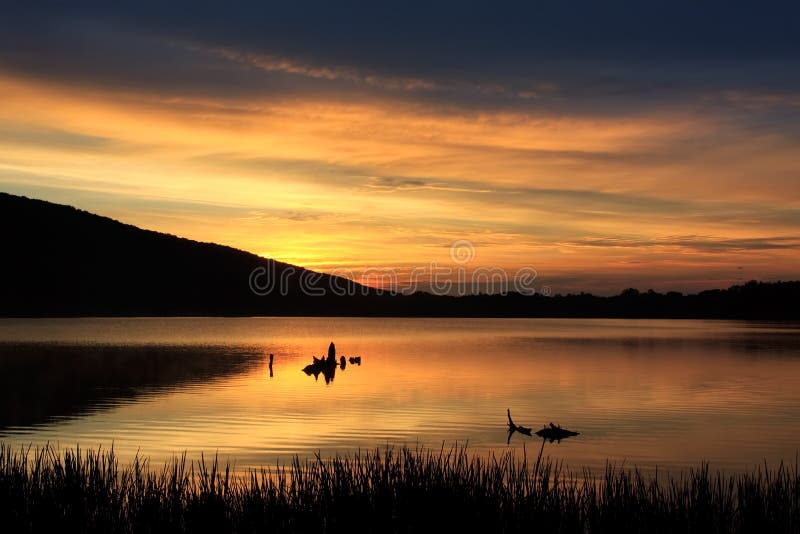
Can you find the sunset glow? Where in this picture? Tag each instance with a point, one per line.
(400, 266)
(597, 180)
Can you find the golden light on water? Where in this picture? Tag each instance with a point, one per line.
(646, 392)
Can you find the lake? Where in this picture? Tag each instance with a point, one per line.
(650, 393)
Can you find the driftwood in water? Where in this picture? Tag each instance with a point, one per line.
(516, 428)
(326, 366)
(555, 433)
(551, 433)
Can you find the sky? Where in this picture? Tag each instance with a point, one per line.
(600, 145)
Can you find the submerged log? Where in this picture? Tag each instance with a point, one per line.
(555, 433)
(551, 433)
(512, 427)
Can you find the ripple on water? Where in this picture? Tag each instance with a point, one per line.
(650, 393)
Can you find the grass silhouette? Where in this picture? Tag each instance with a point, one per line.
(404, 490)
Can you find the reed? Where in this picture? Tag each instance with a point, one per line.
(403, 490)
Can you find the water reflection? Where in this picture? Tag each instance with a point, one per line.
(41, 382)
(666, 393)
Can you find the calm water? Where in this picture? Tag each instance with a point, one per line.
(644, 392)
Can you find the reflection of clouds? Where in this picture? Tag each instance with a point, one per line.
(646, 391)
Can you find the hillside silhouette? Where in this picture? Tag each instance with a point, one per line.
(61, 261)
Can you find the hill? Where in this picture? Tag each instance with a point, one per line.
(61, 261)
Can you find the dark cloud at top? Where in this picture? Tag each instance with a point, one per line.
(438, 34)
(582, 52)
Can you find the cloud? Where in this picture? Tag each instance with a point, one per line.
(273, 63)
(640, 140)
(25, 134)
(485, 196)
(393, 184)
(704, 244)
(581, 57)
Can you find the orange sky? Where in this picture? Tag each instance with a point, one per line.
(687, 194)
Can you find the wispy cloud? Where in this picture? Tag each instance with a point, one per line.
(705, 244)
(55, 138)
(392, 184)
(275, 63)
